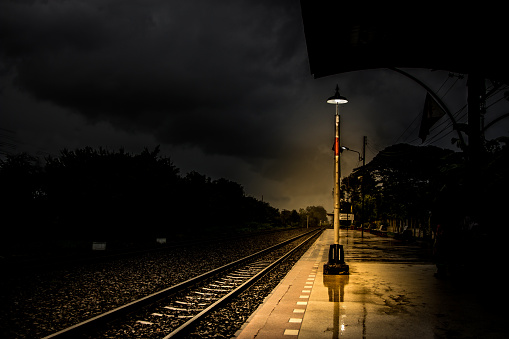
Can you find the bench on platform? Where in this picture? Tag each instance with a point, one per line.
(380, 232)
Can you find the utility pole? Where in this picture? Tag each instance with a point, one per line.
(476, 93)
(476, 97)
(364, 142)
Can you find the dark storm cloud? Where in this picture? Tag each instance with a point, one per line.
(210, 74)
(223, 86)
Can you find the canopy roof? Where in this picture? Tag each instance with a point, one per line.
(349, 36)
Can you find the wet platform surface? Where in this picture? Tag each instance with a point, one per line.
(390, 293)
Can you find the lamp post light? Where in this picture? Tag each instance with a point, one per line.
(337, 99)
(352, 150)
(336, 263)
(361, 158)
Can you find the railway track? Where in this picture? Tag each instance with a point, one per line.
(173, 312)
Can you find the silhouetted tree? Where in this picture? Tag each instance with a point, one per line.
(102, 194)
(290, 218)
(22, 197)
(402, 181)
(95, 195)
(316, 214)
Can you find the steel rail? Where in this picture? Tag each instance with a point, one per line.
(185, 328)
(100, 320)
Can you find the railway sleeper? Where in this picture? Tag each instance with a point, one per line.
(214, 289)
(179, 309)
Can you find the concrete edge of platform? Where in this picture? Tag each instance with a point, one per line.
(282, 310)
(252, 316)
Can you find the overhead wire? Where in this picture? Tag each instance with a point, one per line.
(450, 87)
(448, 121)
(416, 128)
(493, 103)
(377, 146)
(8, 141)
(410, 125)
(438, 135)
(435, 140)
(445, 81)
(459, 116)
(444, 128)
(371, 149)
(415, 125)
(9, 145)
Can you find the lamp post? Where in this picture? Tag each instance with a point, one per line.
(336, 263)
(337, 99)
(361, 158)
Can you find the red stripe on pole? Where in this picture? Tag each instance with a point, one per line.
(336, 147)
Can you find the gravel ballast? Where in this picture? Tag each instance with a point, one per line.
(36, 303)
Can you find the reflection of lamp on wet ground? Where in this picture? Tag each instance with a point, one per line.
(336, 263)
(336, 287)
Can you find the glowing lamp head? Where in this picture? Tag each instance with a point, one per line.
(336, 98)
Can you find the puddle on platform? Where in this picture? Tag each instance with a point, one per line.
(336, 289)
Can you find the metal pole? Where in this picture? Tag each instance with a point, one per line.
(336, 264)
(337, 175)
(364, 142)
(476, 93)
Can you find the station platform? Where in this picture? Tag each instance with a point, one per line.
(294, 299)
(378, 299)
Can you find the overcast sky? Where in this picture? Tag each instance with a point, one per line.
(223, 86)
